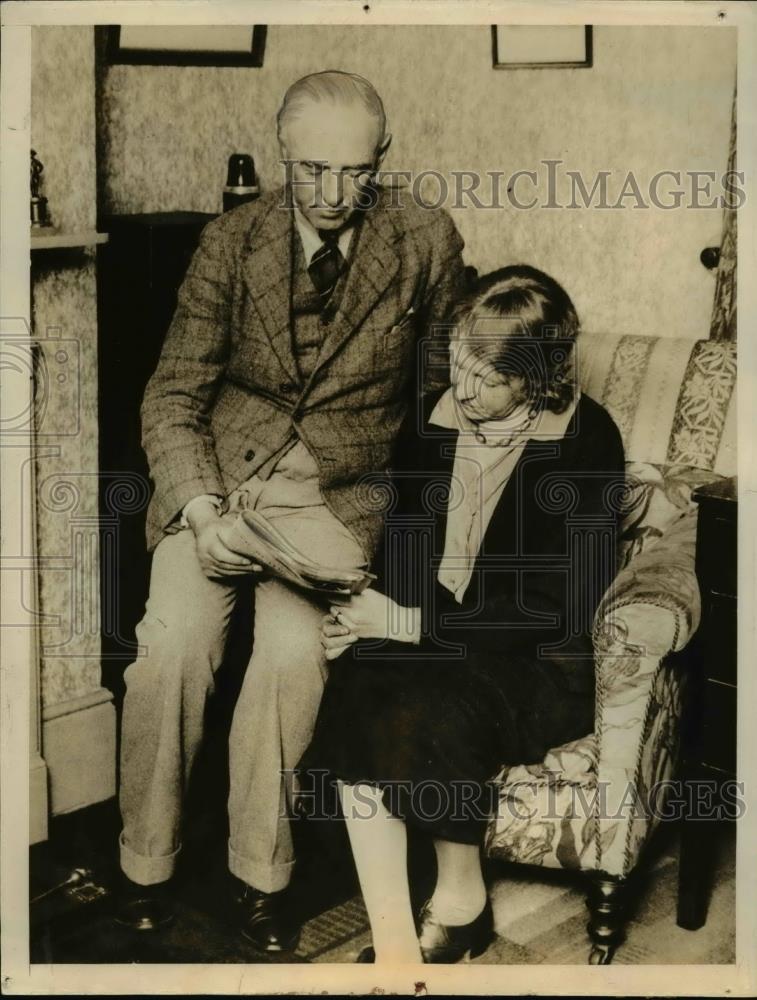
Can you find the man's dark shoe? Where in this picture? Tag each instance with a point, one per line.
(145, 907)
(267, 920)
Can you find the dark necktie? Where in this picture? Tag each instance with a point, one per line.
(326, 265)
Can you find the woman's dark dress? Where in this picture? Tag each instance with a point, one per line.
(432, 724)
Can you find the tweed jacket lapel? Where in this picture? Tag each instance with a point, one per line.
(267, 272)
(374, 264)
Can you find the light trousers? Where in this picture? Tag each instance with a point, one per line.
(184, 632)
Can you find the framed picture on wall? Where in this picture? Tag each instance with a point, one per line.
(187, 45)
(541, 46)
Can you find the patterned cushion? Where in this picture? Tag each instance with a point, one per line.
(551, 825)
(551, 815)
(656, 497)
(673, 399)
(574, 762)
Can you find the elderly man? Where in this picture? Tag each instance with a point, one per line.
(286, 372)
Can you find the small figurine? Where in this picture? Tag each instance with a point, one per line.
(38, 203)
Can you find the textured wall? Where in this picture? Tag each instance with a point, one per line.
(64, 314)
(63, 123)
(657, 98)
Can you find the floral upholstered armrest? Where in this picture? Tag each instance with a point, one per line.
(653, 605)
(652, 609)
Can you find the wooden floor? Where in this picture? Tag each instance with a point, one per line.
(540, 915)
(64, 930)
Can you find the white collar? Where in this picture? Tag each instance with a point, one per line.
(312, 242)
(545, 426)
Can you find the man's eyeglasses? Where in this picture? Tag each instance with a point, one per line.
(317, 168)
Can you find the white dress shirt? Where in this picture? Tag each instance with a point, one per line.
(485, 457)
(312, 242)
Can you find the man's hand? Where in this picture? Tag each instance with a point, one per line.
(217, 558)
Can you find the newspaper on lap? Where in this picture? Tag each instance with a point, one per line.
(253, 535)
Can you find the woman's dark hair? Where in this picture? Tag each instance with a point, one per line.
(523, 323)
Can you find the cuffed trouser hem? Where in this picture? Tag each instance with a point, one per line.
(145, 870)
(266, 877)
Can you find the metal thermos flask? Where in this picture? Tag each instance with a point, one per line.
(241, 184)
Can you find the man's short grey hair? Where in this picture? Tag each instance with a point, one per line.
(334, 86)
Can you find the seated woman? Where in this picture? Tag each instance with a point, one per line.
(498, 549)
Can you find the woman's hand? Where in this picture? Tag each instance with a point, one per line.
(369, 615)
(335, 637)
(373, 615)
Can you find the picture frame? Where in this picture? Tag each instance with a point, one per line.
(542, 46)
(186, 45)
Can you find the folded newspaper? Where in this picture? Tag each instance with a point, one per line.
(253, 535)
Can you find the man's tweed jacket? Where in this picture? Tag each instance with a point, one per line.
(227, 395)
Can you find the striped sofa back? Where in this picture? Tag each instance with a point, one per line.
(673, 399)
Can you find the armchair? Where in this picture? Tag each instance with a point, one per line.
(593, 804)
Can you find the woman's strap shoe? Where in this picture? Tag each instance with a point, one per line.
(446, 944)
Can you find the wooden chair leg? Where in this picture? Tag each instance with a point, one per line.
(607, 899)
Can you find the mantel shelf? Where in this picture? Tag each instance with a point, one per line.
(48, 239)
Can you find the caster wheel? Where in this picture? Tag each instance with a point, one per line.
(600, 955)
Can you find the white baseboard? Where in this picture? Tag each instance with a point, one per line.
(79, 748)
